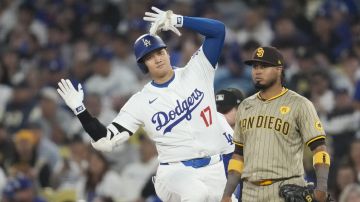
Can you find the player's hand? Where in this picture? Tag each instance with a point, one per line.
(320, 196)
(163, 21)
(72, 97)
(226, 199)
(109, 143)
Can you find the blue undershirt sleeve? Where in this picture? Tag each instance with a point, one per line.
(214, 32)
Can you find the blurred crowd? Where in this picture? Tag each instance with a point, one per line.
(44, 152)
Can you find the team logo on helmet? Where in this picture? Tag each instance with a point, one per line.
(146, 42)
(260, 52)
(318, 125)
(219, 97)
(284, 109)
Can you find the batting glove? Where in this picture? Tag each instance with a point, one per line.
(163, 20)
(108, 143)
(72, 97)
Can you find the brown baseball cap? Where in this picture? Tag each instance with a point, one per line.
(268, 55)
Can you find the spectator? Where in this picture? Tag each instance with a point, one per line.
(345, 175)
(357, 95)
(80, 71)
(19, 108)
(348, 72)
(26, 159)
(341, 123)
(321, 93)
(21, 188)
(355, 156)
(27, 21)
(52, 118)
(2, 181)
(109, 80)
(67, 171)
(99, 179)
(46, 149)
(6, 146)
(233, 73)
(11, 70)
(255, 27)
(351, 194)
(135, 175)
(324, 37)
(300, 80)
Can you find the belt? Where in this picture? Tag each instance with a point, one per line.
(198, 162)
(268, 182)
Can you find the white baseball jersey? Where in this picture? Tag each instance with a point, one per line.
(227, 135)
(180, 117)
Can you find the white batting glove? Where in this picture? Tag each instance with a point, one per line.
(72, 97)
(106, 144)
(163, 20)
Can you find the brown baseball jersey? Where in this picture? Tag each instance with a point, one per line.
(273, 133)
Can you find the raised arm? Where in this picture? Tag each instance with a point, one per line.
(213, 30)
(104, 138)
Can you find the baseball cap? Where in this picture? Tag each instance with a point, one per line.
(55, 65)
(103, 53)
(228, 98)
(267, 55)
(25, 135)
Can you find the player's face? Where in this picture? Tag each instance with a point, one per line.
(265, 76)
(158, 64)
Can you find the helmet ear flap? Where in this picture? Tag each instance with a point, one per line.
(143, 68)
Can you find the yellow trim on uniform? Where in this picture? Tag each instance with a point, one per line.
(236, 165)
(266, 182)
(314, 139)
(283, 91)
(321, 157)
(238, 144)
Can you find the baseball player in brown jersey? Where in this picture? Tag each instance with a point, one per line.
(271, 129)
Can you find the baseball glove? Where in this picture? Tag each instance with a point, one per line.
(296, 193)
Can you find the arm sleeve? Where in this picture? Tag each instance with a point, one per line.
(309, 123)
(92, 126)
(214, 32)
(97, 130)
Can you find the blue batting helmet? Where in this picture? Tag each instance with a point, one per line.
(144, 45)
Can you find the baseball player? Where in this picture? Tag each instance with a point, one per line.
(176, 109)
(270, 130)
(227, 102)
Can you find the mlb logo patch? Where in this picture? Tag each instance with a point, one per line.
(220, 97)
